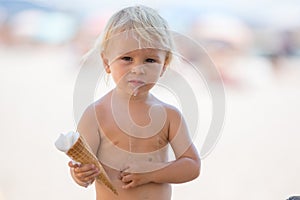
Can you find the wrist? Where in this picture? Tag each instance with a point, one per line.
(157, 175)
(152, 177)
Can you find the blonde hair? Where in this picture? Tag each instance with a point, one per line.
(144, 24)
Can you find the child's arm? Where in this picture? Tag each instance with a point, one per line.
(185, 168)
(84, 175)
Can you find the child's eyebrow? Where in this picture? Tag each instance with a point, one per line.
(153, 55)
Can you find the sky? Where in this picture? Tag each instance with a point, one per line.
(277, 13)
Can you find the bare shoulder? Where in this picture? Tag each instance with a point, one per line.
(173, 113)
(89, 119)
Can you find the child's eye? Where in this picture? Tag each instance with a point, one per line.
(127, 58)
(150, 60)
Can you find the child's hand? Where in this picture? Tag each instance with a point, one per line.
(84, 175)
(132, 180)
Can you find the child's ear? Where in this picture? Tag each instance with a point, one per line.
(105, 63)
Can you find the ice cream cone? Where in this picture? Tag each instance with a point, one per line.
(81, 152)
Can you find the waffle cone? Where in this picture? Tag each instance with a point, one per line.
(81, 152)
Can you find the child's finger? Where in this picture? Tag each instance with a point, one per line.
(129, 185)
(122, 174)
(88, 176)
(85, 168)
(70, 163)
(127, 178)
(73, 164)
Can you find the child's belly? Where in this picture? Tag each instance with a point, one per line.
(150, 191)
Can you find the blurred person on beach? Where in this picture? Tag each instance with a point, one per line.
(129, 129)
(229, 41)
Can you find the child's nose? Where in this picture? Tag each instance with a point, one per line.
(138, 69)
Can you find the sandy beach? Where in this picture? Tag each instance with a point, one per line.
(257, 156)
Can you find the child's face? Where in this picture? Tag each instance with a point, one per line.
(137, 70)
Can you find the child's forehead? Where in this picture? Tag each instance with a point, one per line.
(146, 51)
(126, 43)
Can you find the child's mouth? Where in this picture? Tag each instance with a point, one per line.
(136, 83)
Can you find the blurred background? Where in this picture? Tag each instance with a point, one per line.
(254, 44)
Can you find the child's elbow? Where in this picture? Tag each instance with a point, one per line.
(197, 169)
